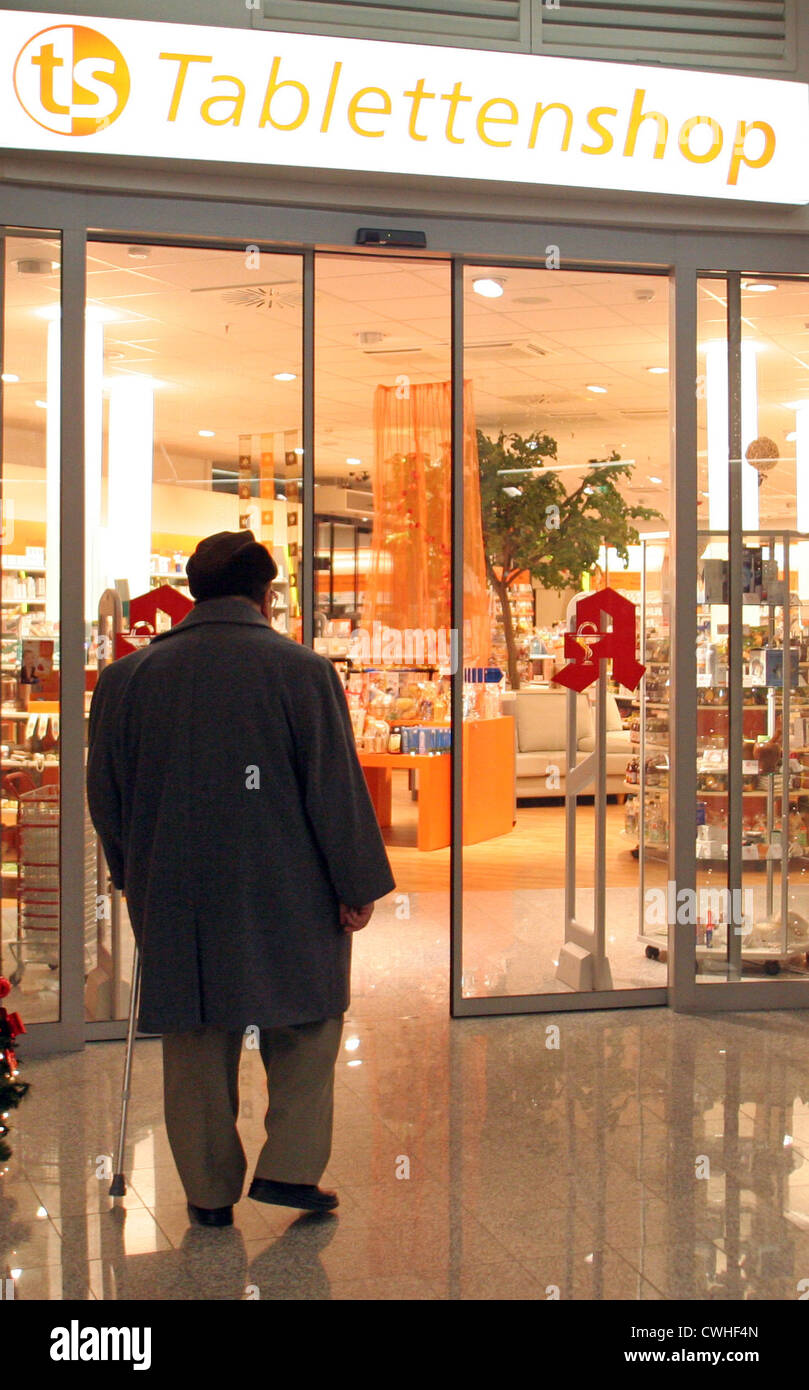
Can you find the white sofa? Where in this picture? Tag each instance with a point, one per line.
(540, 723)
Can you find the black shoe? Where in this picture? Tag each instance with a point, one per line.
(306, 1196)
(211, 1216)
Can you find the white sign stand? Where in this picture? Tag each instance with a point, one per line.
(583, 963)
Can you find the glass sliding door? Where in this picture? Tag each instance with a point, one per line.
(30, 932)
(566, 487)
(193, 426)
(382, 503)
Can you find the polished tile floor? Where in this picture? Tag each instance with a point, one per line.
(647, 1156)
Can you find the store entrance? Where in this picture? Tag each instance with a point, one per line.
(196, 378)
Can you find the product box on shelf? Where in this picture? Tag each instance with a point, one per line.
(774, 667)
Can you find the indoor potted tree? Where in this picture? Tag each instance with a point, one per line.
(530, 522)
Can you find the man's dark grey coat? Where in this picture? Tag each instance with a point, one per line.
(233, 889)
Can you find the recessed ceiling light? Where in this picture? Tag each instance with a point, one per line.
(355, 463)
(652, 479)
(285, 376)
(489, 288)
(206, 434)
(41, 405)
(759, 286)
(138, 253)
(599, 390)
(657, 371)
(9, 378)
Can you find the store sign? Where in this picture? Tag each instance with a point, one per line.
(132, 87)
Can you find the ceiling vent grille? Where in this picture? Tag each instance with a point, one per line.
(710, 33)
(286, 295)
(414, 357)
(507, 350)
(465, 23)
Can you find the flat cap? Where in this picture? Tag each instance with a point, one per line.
(227, 563)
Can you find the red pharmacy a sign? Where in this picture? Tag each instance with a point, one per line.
(589, 644)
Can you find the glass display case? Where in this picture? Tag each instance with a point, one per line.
(751, 827)
(752, 911)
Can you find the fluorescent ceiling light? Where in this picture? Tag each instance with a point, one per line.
(598, 390)
(9, 378)
(488, 288)
(96, 313)
(285, 376)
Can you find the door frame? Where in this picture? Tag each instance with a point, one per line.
(461, 240)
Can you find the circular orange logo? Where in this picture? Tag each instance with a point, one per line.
(71, 80)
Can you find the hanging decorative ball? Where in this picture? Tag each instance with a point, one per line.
(763, 454)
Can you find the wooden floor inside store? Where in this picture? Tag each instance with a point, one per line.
(531, 856)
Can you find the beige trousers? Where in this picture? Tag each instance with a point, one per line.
(201, 1095)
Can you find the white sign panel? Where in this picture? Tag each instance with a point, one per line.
(130, 87)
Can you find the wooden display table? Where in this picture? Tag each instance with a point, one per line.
(488, 784)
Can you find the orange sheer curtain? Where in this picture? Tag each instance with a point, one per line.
(409, 583)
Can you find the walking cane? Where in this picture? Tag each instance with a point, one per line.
(118, 1184)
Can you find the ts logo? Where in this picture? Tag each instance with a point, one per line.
(71, 80)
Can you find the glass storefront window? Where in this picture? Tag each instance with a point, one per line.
(29, 545)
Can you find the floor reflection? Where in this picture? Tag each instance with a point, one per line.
(631, 1155)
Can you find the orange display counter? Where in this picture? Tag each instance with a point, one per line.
(488, 784)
